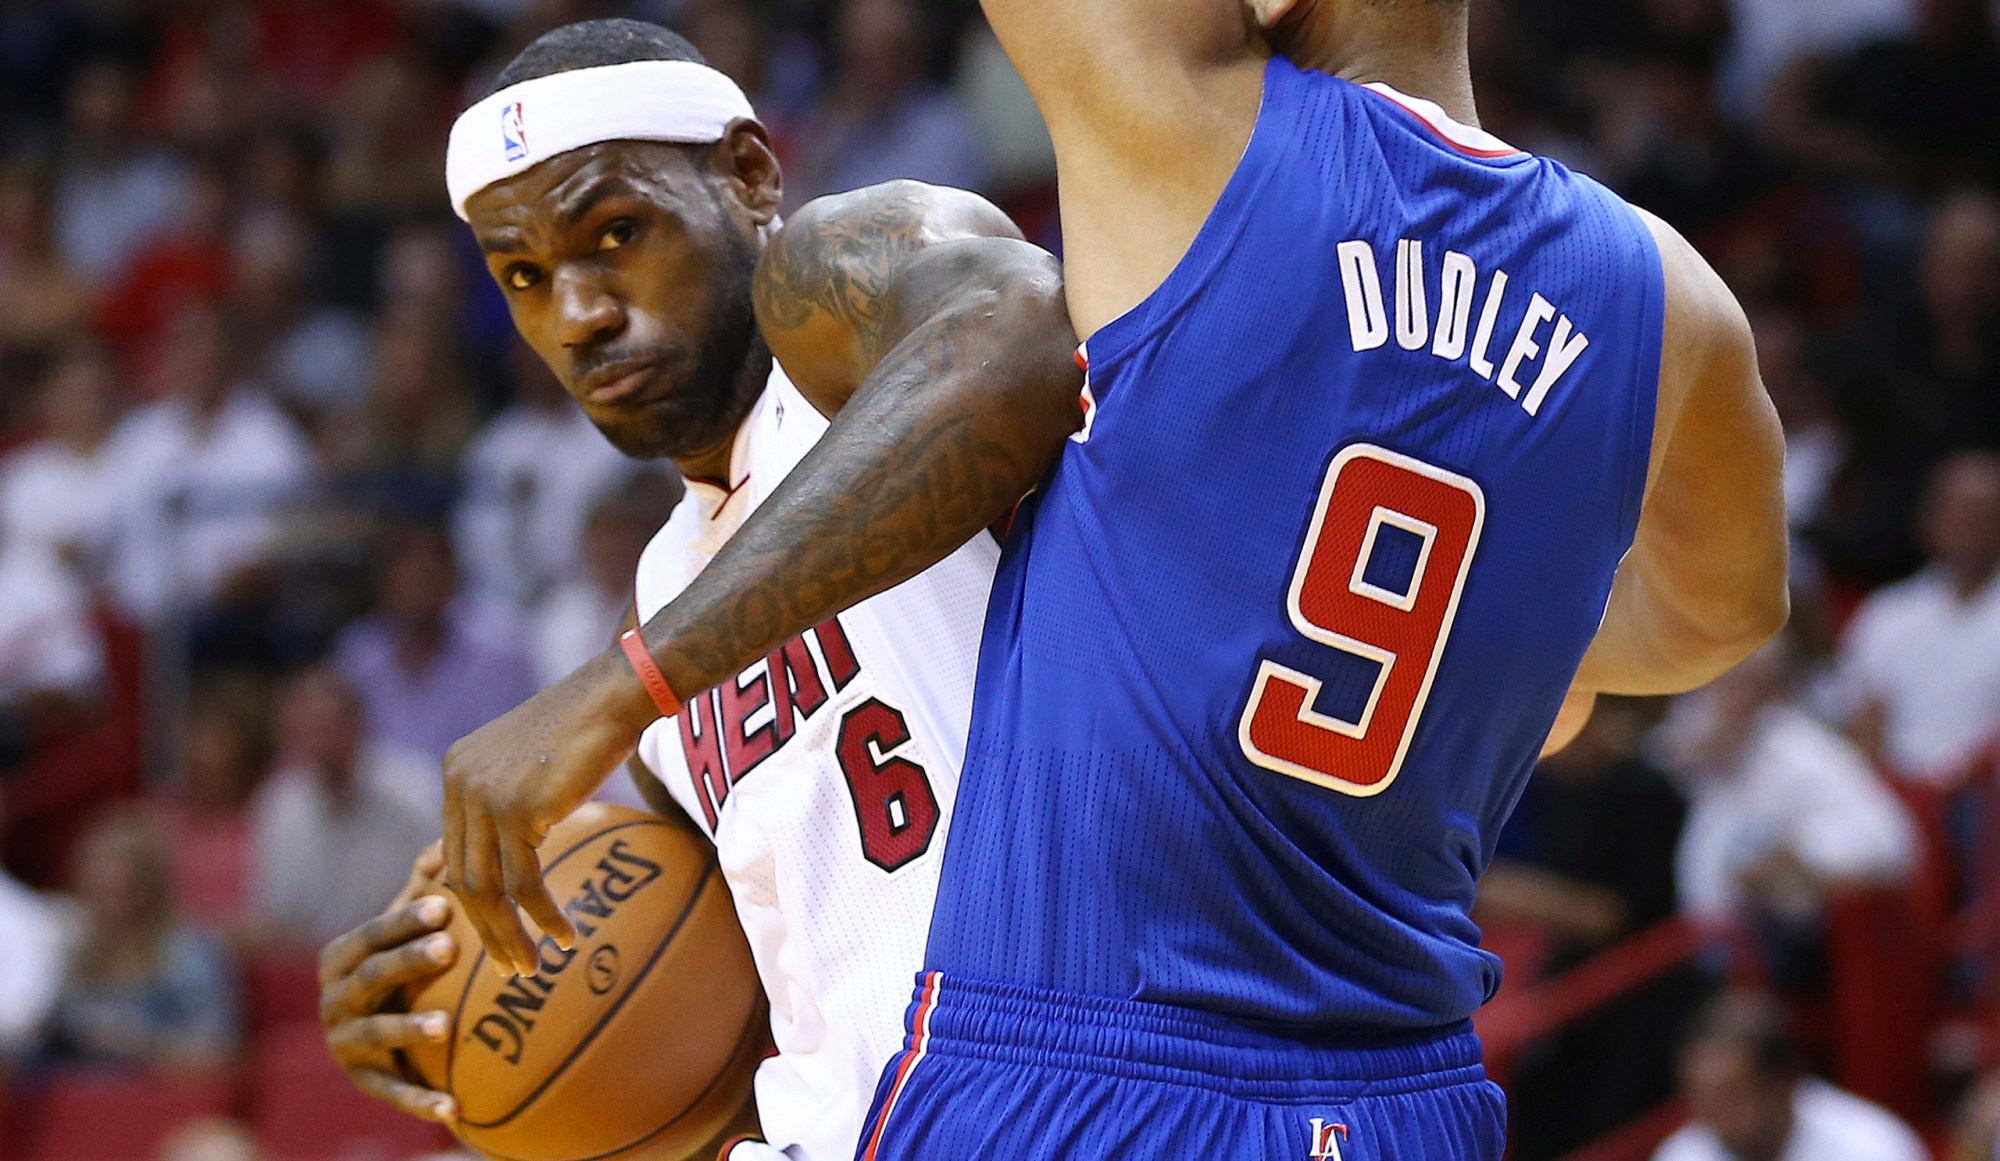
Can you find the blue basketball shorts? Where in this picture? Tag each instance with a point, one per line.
(995, 1071)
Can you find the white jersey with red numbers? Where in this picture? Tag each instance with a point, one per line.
(826, 776)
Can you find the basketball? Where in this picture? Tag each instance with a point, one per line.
(639, 1043)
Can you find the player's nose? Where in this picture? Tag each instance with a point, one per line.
(587, 311)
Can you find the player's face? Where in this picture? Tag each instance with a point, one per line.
(1751, 1113)
(627, 266)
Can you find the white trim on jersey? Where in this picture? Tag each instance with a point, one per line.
(1467, 138)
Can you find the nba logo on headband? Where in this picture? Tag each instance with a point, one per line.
(648, 100)
(513, 133)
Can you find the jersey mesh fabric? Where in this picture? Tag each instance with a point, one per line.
(1116, 837)
(835, 928)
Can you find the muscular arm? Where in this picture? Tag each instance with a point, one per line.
(1704, 584)
(940, 343)
(1150, 104)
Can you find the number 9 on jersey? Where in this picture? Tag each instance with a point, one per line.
(1339, 599)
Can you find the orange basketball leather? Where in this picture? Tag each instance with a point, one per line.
(642, 1041)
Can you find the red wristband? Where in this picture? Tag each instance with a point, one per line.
(649, 674)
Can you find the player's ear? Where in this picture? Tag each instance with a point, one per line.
(745, 157)
(1269, 12)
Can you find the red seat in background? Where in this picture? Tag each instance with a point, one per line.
(106, 1118)
(280, 989)
(303, 1108)
(70, 778)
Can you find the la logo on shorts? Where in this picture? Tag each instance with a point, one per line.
(1326, 1139)
(513, 132)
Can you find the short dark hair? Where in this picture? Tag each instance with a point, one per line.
(1754, 1025)
(594, 44)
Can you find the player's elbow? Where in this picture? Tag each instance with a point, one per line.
(1733, 630)
(1773, 613)
(1765, 611)
(1014, 287)
(1004, 301)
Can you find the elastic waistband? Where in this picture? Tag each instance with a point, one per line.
(951, 1016)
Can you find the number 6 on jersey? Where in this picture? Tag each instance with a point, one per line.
(1340, 599)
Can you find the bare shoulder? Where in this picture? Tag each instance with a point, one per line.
(1709, 345)
(823, 287)
(836, 256)
(1704, 319)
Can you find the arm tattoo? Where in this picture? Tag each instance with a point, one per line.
(839, 258)
(954, 427)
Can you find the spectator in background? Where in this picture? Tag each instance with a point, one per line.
(407, 439)
(211, 1139)
(1920, 666)
(1914, 112)
(113, 191)
(1012, 136)
(42, 301)
(187, 264)
(142, 990)
(1927, 378)
(335, 828)
(1955, 353)
(1783, 813)
(51, 657)
(1749, 1099)
(315, 357)
(34, 938)
(205, 475)
(576, 621)
(731, 37)
(1773, 36)
(310, 49)
(384, 160)
(884, 119)
(1588, 853)
(429, 668)
(1695, 167)
(1815, 444)
(279, 168)
(1587, 859)
(224, 750)
(527, 481)
(61, 492)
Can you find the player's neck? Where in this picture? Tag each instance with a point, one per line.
(1420, 50)
(712, 463)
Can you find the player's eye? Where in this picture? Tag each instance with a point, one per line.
(521, 277)
(617, 234)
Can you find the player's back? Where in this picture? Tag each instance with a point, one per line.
(1275, 648)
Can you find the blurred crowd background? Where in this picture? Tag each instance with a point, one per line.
(285, 509)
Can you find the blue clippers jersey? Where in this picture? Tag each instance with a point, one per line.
(1275, 647)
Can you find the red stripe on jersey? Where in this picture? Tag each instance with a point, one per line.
(1441, 134)
(920, 1039)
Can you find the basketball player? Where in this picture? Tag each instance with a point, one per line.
(1400, 442)
(626, 201)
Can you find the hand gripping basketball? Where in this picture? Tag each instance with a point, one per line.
(361, 971)
(507, 783)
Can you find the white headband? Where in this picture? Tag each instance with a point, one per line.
(523, 125)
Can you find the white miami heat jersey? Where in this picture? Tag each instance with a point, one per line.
(825, 776)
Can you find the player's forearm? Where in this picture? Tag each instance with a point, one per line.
(959, 421)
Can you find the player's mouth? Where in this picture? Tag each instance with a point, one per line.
(632, 383)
